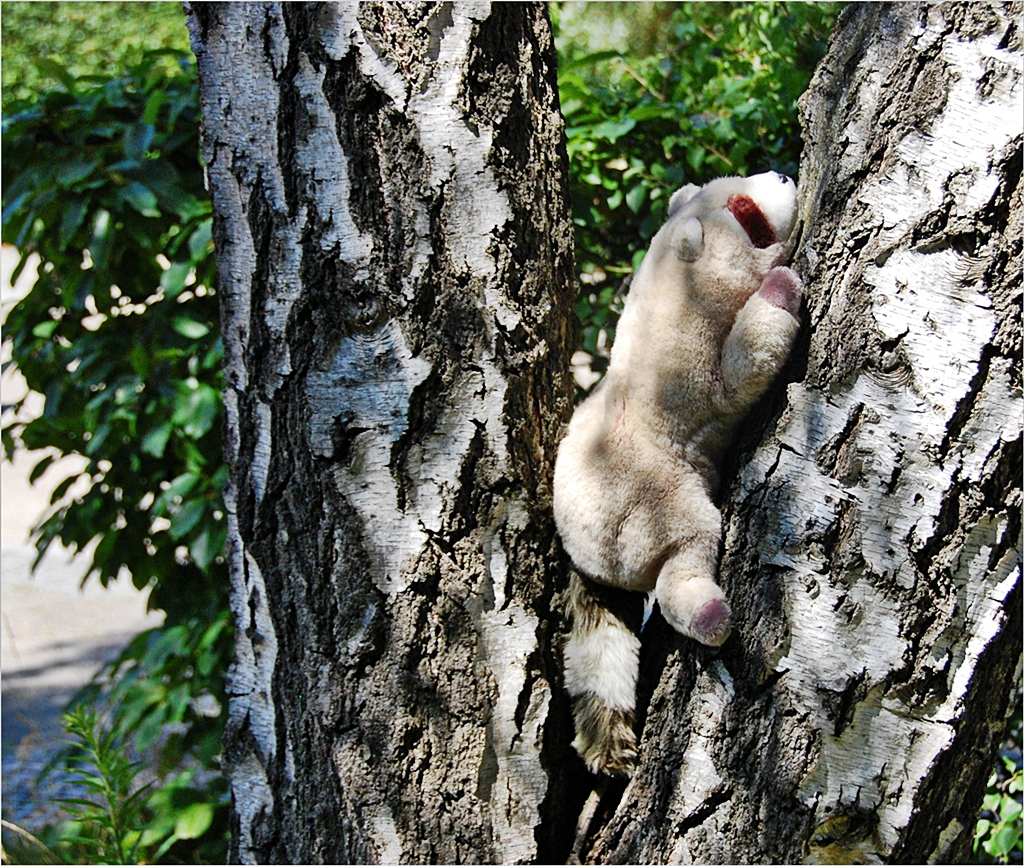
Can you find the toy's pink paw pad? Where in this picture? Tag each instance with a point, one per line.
(712, 623)
(781, 288)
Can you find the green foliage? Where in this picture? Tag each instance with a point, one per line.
(107, 817)
(113, 817)
(997, 836)
(166, 688)
(120, 333)
(86, 38)
(689, 92)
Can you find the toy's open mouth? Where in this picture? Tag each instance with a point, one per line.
(754, 223)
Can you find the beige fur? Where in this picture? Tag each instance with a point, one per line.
(709, 321)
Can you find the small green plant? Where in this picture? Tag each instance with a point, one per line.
(107, 819)
(112, 816)
(998, 832)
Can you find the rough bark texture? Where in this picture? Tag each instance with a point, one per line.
(872, 551)
(394, 246)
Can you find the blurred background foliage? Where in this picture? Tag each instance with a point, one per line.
(102, 180)
(85, 39)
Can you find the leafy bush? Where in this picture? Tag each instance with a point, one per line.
(688, 92)
(120, 334)
(102, 181)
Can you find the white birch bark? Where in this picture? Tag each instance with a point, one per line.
(873, 536)
(395, 259)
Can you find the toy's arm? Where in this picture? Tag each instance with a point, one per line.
(759, 342)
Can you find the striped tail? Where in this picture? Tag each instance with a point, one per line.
(602, 663)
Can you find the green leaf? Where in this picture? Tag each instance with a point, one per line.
(186, 518)
(105, 556)
(589, 60)
(62, 488)
(636, 197)
(613, 130)
(71, 221)
(990, 803)
(1004, 840)
(75, 171)
(1009, 810)
(156, 440)
(651, 110)
(141, 198)
(208, 546)
(981, 831)
(191, 328)
(193, 821)
(12, 208)
(172, 281)
(44, 330)
(196, 410)
(201, 239)
(153, 105)
(695, 157)
(40, 468)
(180, 486)
(49, 66)
(137, 139)
(177, 702)
(98, 438)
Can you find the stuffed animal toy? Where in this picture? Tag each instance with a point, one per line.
(708, 322)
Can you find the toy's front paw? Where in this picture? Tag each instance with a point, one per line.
(782, 288)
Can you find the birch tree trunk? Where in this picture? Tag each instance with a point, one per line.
(872, 553)
(394, 245)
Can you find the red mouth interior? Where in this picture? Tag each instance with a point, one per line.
(754, 223)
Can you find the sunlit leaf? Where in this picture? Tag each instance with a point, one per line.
(191, 328)
(193, 821)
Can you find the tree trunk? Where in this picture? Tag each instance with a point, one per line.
(394, 246)
(872, 550)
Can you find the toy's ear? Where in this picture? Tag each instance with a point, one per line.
(681, 196)
(688, 239)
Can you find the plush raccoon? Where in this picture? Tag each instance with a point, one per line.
(708, 322)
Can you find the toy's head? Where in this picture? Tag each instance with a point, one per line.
(721, 239)
(762, 207)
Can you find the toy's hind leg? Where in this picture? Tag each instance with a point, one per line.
(689, 596)
(602, 662)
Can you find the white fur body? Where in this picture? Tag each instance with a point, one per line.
(709, 321)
